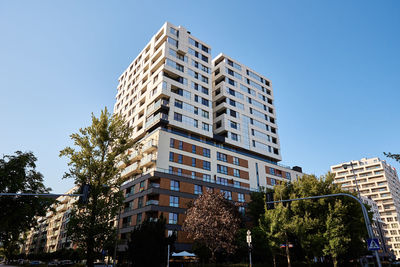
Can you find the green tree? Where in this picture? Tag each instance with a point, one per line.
(98, 149)
(213, 221)
(315, 225)
(19, 175)
(148, 243)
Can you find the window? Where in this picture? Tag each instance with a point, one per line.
(234, 125)
(204, 90)
(241, 210)
(205, 114)
(178, 117)
(236, 173)
(206, 152)
(273, 181)
(179, 171)
(178, 103)
(196, 98)
(138, 218)
(171, 156)
(206, 177)
(180, 146)
(206, 126)
(234, 137)
(236, 160)
(240, 197)
(222, 169)
(227, 194)
(171, 169)
(193, 162)
(272, 171)
(173, 201)
(173, 218)
(193, 148)
(180, 158)
(236, 184)
(222, 181)
(140, 202)
(198, 189)
(222, 157)
(174, 31)
(288, 175)
(232, 113)
(193, 175)
(204, 102)
(174, 185)
(171, 142)
(206, 165)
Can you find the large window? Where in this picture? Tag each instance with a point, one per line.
(198, 189)
(173, 218)
(222, 181)
(222, 169)
(222, 157)
(206, 165)
(174, 201)
(206, 177)
(236, 173)
(174, 185)
(206, 152)
(227, 194)
(236, 160)
(240, 197)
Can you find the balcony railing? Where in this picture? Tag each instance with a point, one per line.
(150, 145)
(155, 119)
(154, 185)
(152, 202)
(148, 160)
(130, 169)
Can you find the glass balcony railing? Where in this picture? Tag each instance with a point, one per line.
(152, 202)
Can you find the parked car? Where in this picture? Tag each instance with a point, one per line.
(53, 263)
(36, 262)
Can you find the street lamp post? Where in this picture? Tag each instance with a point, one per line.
(248, 239)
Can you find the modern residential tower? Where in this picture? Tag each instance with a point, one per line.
(376, 180)
(199, 124)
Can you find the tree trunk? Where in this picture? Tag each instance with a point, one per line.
(335, 261)
(274, 260)
(288, 253)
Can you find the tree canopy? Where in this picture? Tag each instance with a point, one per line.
(148, 243)
(93, 160)
(213, 221)
(19, 175)
(330, 227)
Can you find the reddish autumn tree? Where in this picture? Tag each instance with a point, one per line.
(213, 221)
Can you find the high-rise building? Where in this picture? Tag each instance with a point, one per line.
(376, 180)
(198, 124)
(50, 233)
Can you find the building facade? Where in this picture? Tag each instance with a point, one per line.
(199, 124)
(50, 234)
(377, 180)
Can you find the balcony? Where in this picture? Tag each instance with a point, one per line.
(134, 155)
(154, 185)
(49, 214)
(152, 202)
(148, 160)
(155, 119)
(131, 169)
(149, 146)
(160, 103)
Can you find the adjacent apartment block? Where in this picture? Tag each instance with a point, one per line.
(50, 234)
(377, 180)
(199, 124)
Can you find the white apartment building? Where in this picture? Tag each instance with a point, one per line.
(190, 137)
(243, 107)
(378, 181)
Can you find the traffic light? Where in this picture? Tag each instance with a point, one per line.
(84, 190)
(269, 198)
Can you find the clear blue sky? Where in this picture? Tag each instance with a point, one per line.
(334, 65)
